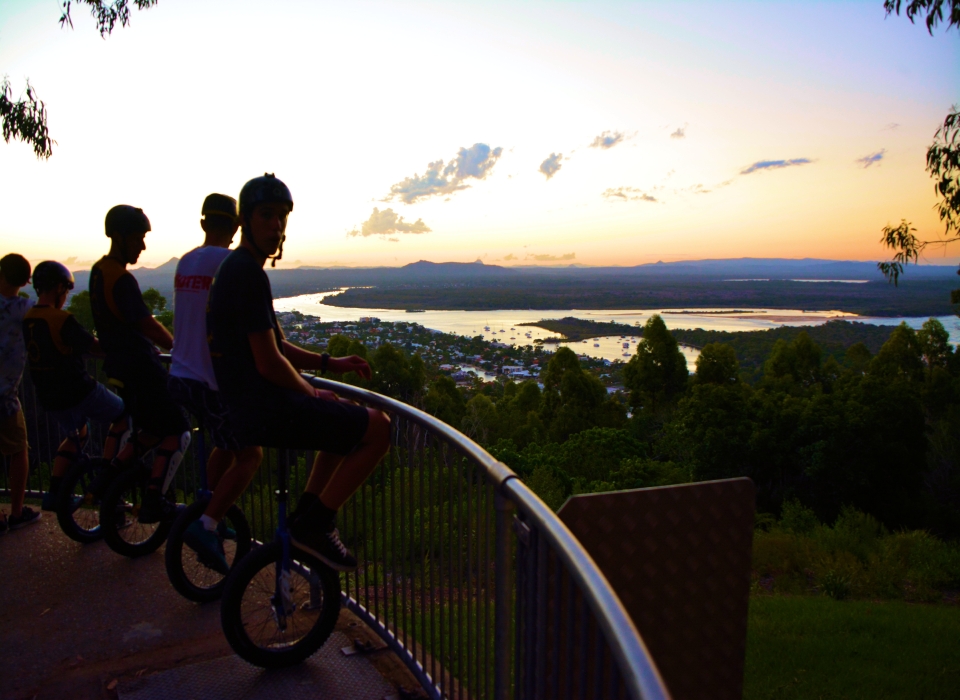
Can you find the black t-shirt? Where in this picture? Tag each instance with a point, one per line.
(118, 306)
(241, 303)
(55, 344)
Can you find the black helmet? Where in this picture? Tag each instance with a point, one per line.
(48, 274)
(219, 205)
(263, 190)
(124, 220)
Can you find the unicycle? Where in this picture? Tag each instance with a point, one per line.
(78, 500)
(280, 604)
(120, 510)
(187, 573)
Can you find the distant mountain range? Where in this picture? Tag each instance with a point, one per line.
(305, 280)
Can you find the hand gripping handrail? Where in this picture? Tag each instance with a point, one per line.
(635, 665)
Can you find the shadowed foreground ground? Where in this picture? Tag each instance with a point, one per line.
(75, 618)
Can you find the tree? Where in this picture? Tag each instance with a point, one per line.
(718, 364)
(79, 306)
(657, 373)
(26, 119)
(943, 157)
(934, 341)
(154, 300)
(395, 375)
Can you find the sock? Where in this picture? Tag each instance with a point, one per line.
(155, 483)
(55, 484)
(209, 523)
(312, 510)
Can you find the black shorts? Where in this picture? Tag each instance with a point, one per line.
(204, 403)
(144, 393)
(296, 421)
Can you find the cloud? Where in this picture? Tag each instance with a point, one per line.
(869, 160)
(774, 164)
(892, 126)
(628, 194)
(608, 139)
(551, 165)
(509, 257)
(680, 133)
(394, 240)
(382, 223)
(442, 178)
(551, 258)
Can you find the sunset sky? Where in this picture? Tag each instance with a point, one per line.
(596, 133)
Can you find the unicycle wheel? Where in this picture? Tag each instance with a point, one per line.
(188, 575)
(119, 510)
(271, 630)
(78, 508)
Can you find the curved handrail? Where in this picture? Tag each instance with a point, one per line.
(639, 673)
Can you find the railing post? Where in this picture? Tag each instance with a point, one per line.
(503, 591)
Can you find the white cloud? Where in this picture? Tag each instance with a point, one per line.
(680, 133)
(628, 194)
(551, 165)
(383, 223)
(551, 258)
(442, 178)
(869, 160)
(608, 139)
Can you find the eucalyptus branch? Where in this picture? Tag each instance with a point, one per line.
(25, 120)
(107, 14)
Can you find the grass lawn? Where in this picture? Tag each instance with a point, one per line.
(816, 647)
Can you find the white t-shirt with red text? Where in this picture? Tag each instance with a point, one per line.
(191, 287)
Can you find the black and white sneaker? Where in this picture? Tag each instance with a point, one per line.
(325, 546)
(28, 516)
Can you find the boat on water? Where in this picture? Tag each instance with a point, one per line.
(626, 345)
(415, 311)
(596, 345)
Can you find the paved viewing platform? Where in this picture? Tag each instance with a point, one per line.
(81, 622)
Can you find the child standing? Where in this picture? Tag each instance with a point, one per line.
(14, 275)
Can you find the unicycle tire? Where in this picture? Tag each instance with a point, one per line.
(248, 617)
(119, 508)
(187, 575)
(81, 522)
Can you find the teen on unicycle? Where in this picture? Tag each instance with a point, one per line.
(230, 466)
(128, 333)
(56, 344)
(269, 403)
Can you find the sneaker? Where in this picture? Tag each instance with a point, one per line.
(325, 546)
(225, 531)
(156, 509)
(208, 546)
(28, 516)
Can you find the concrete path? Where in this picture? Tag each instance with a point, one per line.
(82, 622)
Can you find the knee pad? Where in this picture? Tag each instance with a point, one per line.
(173, 459)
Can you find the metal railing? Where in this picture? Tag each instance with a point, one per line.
(464, 572)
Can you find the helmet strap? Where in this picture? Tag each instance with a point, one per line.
(272, 258)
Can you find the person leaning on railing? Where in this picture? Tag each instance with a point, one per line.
(14, 275)
(193, 385)
(127, 332)
(269, 403)
(56, 344)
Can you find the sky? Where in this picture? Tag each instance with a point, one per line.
(593, 133)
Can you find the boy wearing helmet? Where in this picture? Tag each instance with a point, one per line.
(269, 402)
(14, 274)
(193, 384)
(56, 344)
(128, 333)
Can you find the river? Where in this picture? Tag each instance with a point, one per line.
(503, 324)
